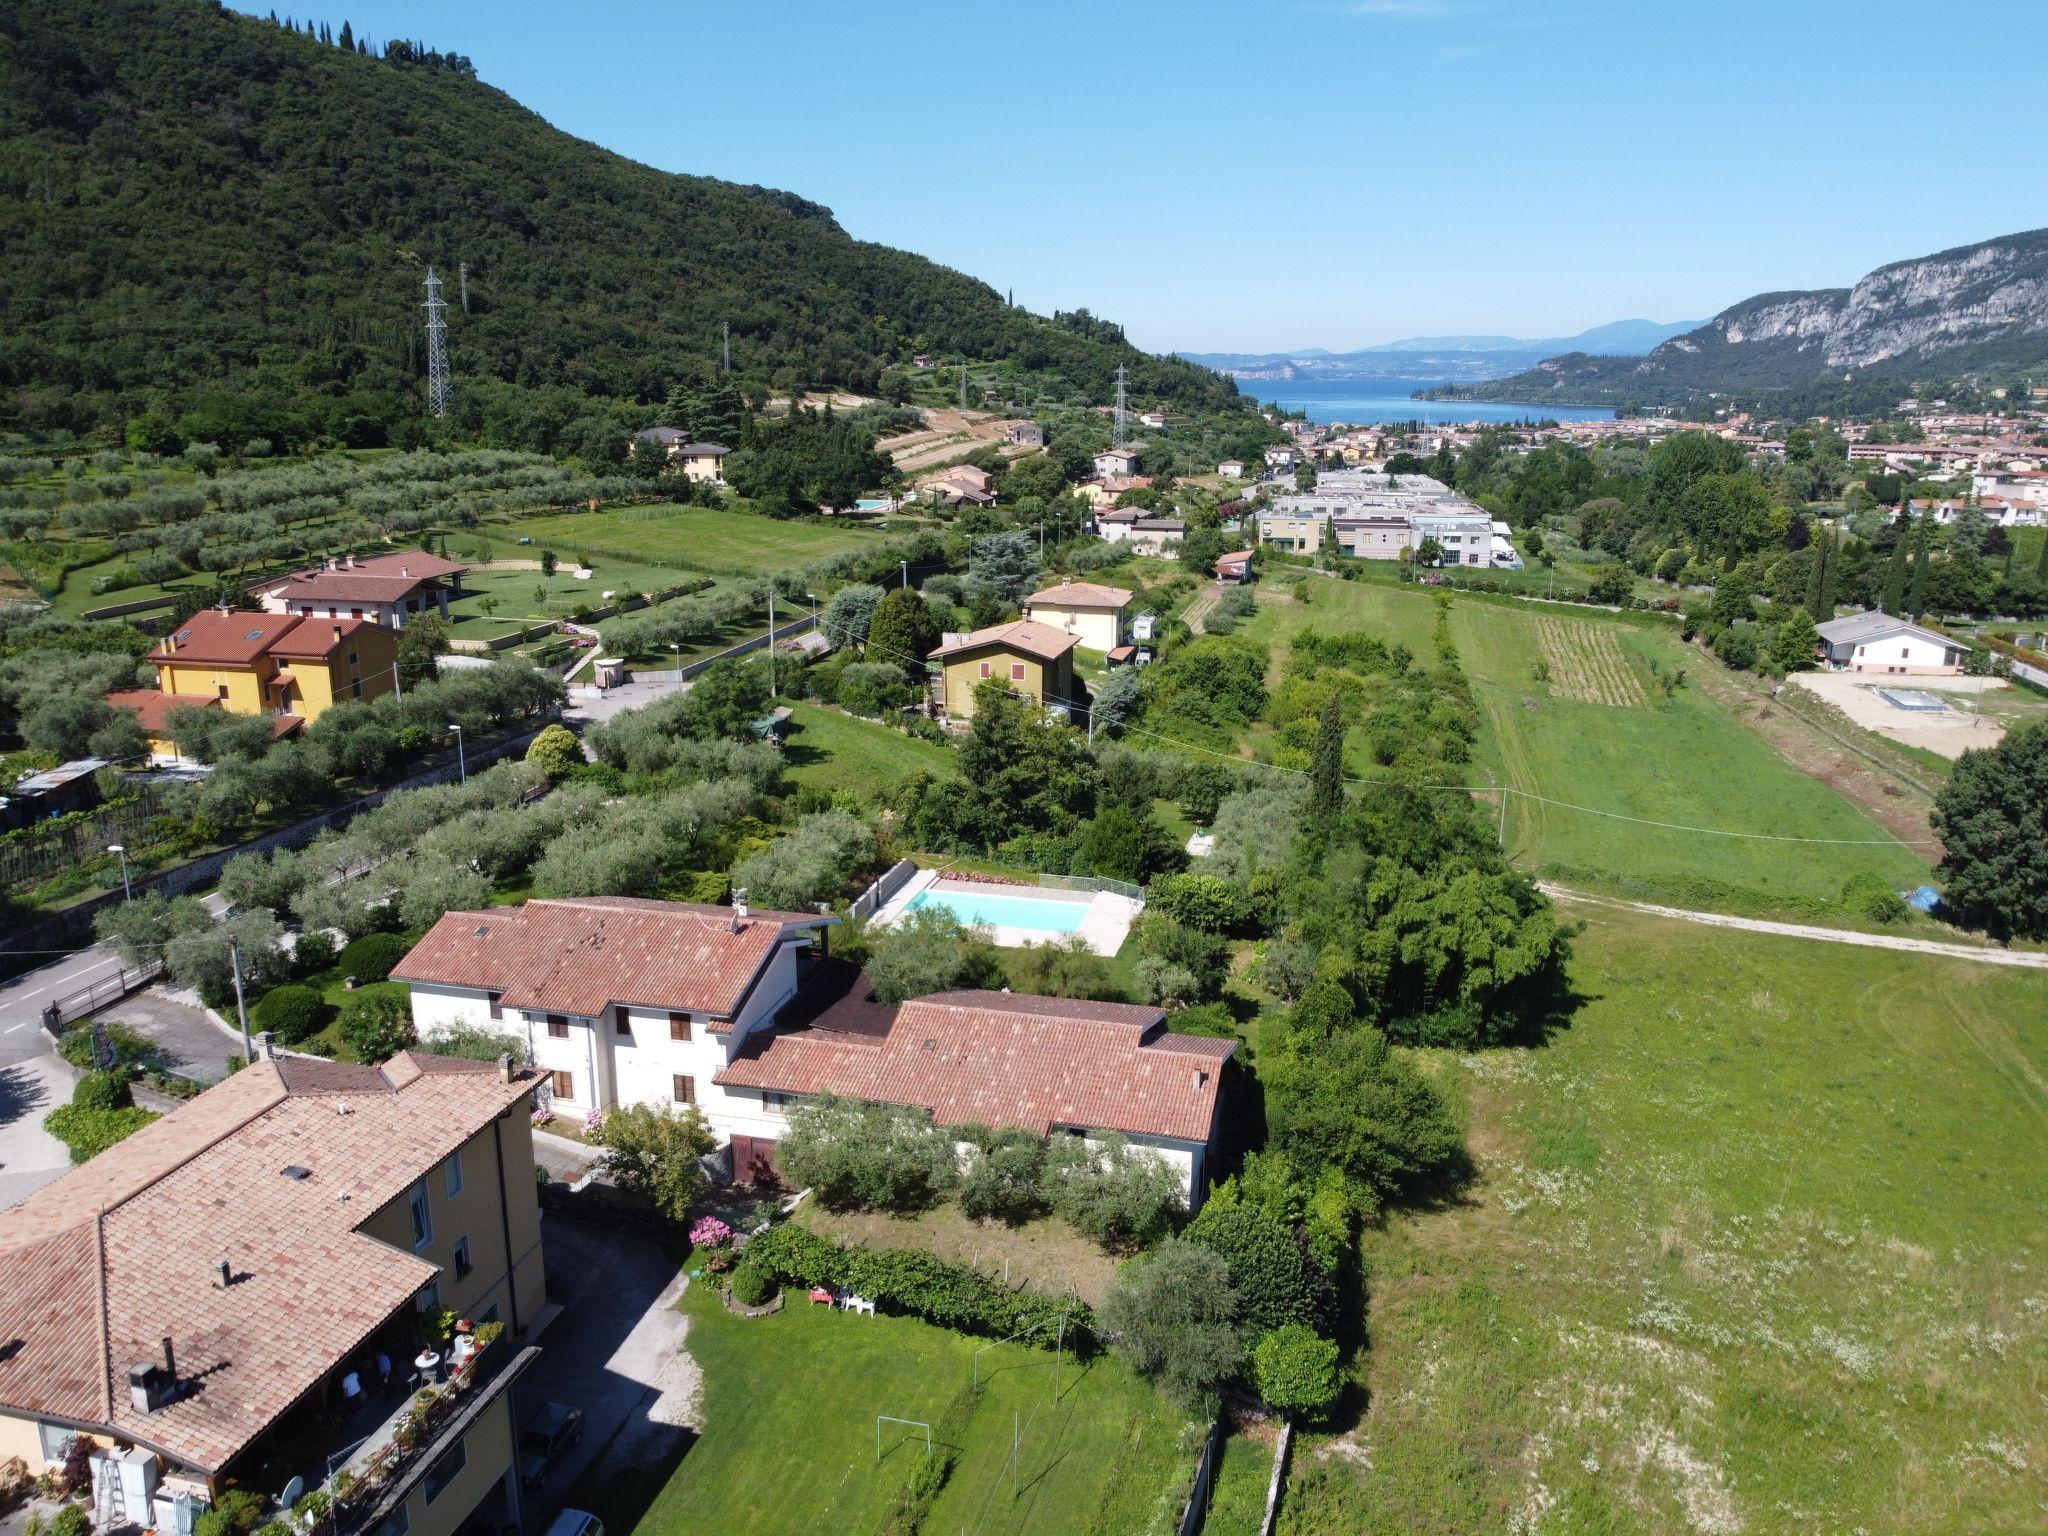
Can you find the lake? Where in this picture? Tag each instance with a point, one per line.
(1376, 400)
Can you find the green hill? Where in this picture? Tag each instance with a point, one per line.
(206, 212)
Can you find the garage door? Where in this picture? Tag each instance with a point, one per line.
(753, 1160)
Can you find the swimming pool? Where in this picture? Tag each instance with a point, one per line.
(991, 910)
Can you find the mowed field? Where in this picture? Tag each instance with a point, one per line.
(831, 750)
(788, 1446)
(1759, 1244)
(649, 541)
(1601, 737)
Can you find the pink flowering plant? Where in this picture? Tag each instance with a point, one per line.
(714, 1239)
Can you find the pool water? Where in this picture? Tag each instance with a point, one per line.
(990, 910)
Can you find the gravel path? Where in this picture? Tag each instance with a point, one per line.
(2027, 958)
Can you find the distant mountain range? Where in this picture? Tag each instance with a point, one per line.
(1976, 309)
(1446, 357)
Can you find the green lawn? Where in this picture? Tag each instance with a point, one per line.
(788, 1446)
(1678, 759)
(832, 751)
(1237, 1502)
(1759, 1243)
(643, 546)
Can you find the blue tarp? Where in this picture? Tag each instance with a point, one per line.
(1925, 899)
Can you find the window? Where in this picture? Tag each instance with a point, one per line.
(351, 658)
(422, 1217)
(488, 1315)
(464, 1267)
(428, 1301)
(987, 670)
(497, 1003)
(1904, 652)
(777, 1102)
(53, 1438)
(1016, 671)
(679, 1026)
(223, 690)
(564, 1084)
(622, 1023)
(685, 1089)
(451, 1174)
(446, 1469)
(558, 1027)
(355, 689)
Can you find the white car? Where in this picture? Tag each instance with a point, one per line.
(576, 1522)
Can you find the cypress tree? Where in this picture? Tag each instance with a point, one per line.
(2041, 559)
(1820, 591)
(1916, 592)
(348, 38)
(1892, 597)
(1326, 761)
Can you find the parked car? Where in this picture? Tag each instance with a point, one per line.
(550, 1430)
(576, 1522)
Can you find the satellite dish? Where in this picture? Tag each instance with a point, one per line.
(293, 1492)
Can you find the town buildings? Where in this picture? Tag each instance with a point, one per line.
(737, 1012)
(1029, 658)
(282, 666)
(1370, 515)
(1092, 613)
(209, 1300)
(384, 589)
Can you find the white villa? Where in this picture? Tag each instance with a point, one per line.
(1877, 642)
(1092, 613)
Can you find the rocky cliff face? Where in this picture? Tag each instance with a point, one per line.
(1976, 307)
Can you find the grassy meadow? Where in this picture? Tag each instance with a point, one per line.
(831, 750)
(647, 547)
(1759, 1243)
(789, 1408)
(1600, 732)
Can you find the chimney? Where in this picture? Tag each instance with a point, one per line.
(505, 1067)
(404, 570)
(170, 1360)
(739, 909)
(223, 1275)
(337, 631)
(1201, 1077)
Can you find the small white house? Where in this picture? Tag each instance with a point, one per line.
(1231, 469)
(1877, 642)
(1093, 614)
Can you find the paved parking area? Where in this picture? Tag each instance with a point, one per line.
(193, 1044)
(1974, 718)
(616, 1352)
(30, 1157)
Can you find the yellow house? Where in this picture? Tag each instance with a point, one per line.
(257, 1289)
(1091, 613)
(1029, 658)
(288, 666)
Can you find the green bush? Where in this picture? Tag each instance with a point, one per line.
(371, 957)
(1269, 1267)
(71, 1520)
(854, 1156)
(1122, 1200)
(1866, 895)
(130, 1047)
(234, 1512)
(89, 1132)
(376, 1022)
(1003, 1177)
(102, 1090)
(752, 1285)
(950, 1295)
(292, 1013)
(1204, 902)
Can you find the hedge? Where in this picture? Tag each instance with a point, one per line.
(89, 1132)
(292, 1013)
(950, 1295)
(371, 957)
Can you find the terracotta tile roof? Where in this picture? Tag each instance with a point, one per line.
(1082, 594)
(315, 639)
(226, 639)
(1006, 1060)
(585, 955)
(152, 710)
(97, 1269)
(1026, 635)
(379, 579)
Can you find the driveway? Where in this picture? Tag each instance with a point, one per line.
(30, 1087)
(616, 1352)
(586, 708)
(192, 1043)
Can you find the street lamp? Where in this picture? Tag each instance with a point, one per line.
(461, 760)
(906, 571)
(127, 890)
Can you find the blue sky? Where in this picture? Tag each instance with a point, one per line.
(1266, 174)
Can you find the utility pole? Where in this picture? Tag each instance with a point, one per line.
(462, 272)
(437, 348)
(963, 383)
(241, 1012)
(771, 642)
(906, 571)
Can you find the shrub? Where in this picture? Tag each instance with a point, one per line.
(477, 1042)
(71, 1520)
(865, 1156)
(234, 1512)
(950, 1295)
(1173, 1315)
(652, 1151)
(1121, 1199)
(752, 1285)
(1199, 901)
(1270, 1269)
(1868, 896)
(376, 1022)
(129, 1047)
(313, 954)
(292, 1013)
(89, 1132)
(102, 1090)
(371, 957)
(1295, 1370)
(1002, 1178)
(556, 752)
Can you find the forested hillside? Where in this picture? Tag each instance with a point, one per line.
(213, 215)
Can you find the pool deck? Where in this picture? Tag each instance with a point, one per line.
(1104, 928)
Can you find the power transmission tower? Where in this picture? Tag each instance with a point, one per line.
(462, 271)
(1116, 427)
(725, 343)
(437, 348)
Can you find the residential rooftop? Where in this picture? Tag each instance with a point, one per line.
(1026, 635)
